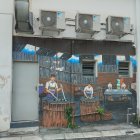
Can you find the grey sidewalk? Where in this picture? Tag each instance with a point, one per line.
(98, 135)
(103, 135)
(128, 133)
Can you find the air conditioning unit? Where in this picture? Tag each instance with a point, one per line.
(87, 23)
(52, 20)
(24, 18)
(118, 25)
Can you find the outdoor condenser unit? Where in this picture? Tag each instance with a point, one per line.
(118, 25)
(52, 20)
(87, 23)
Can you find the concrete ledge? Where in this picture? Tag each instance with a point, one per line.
(31, 138)
(73, 136)
(92, 134)
(24, 131)
(102, 135)
(13, 138)
(54, 137)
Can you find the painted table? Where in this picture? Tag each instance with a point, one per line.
(118, 95)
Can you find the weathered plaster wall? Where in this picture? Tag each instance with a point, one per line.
(137, 54)
(6, 18)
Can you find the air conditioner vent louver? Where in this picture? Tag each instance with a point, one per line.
(48, 18)
(117, 25)
(87, 23)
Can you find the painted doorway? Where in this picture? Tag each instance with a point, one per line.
(25, 100)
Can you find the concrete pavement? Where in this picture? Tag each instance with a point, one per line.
(112, 133)
(103, 135)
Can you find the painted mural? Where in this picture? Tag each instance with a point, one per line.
(85, 82)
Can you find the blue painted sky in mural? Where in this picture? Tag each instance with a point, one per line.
(133, 60)
(74, 59)
(122, 58)
(98, 58)
(29, 49)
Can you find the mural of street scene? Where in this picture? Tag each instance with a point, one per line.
(78, 90)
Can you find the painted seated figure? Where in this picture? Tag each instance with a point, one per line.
(110, 86)
(88, 91)
(123, 86)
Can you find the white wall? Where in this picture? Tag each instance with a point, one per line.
(6, 18)
(6, 6)
(138, 56)
(102, 7)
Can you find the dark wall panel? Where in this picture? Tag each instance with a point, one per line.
(78, 46)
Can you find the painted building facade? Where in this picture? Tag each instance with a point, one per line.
(103, 8)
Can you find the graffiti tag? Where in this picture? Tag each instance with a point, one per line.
(3, 81)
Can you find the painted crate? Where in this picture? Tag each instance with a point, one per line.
(54, 114)
(88, 111)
